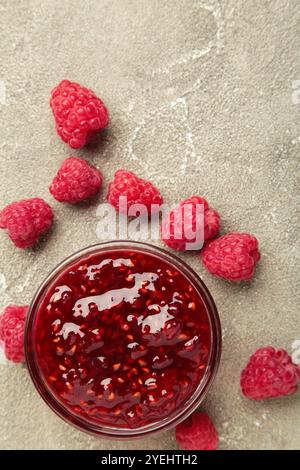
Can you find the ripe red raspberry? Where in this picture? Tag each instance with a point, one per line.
(78, 113)
(232, 256)
(137, 191)
(270, 373)
(26, 221)
(179, 227)
(12, 324)
(197, 433)
(76, 181)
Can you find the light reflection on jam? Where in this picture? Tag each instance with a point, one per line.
(122, 339)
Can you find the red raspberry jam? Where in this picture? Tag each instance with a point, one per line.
(121, 338)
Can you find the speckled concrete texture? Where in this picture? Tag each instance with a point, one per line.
(201, 101)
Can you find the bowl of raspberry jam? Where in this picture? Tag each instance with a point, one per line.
(123, 340)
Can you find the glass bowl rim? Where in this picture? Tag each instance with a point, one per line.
(186, 408)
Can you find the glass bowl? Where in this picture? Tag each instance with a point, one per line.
(34, 356)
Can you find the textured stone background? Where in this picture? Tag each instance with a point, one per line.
(200, 96)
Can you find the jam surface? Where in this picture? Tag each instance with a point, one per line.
(122, 338)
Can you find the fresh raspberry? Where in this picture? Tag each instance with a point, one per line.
(137, 191)
(197, 433)
(76, 181)
(26, 221)
(270, 373)
(78, 113)
(179, 227)
(12, 324)
(232, 256)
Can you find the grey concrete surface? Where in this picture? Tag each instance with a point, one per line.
(201, 101)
